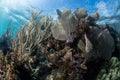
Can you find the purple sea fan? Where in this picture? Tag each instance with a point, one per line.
(65, 26)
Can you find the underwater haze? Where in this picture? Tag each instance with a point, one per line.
(14, 13)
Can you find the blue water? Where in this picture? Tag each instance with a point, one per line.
(14, 13)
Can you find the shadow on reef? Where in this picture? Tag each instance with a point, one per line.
(72, 48)
(6, 42)
(24, 74)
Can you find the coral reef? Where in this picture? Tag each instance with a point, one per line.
(73, 47)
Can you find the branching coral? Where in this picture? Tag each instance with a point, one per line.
(33, 33)
(6, 68)
(26, 44)
(30, 39)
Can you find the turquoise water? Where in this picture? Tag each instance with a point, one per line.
(14, 13)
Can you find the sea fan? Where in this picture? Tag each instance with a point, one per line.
(65, 25)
